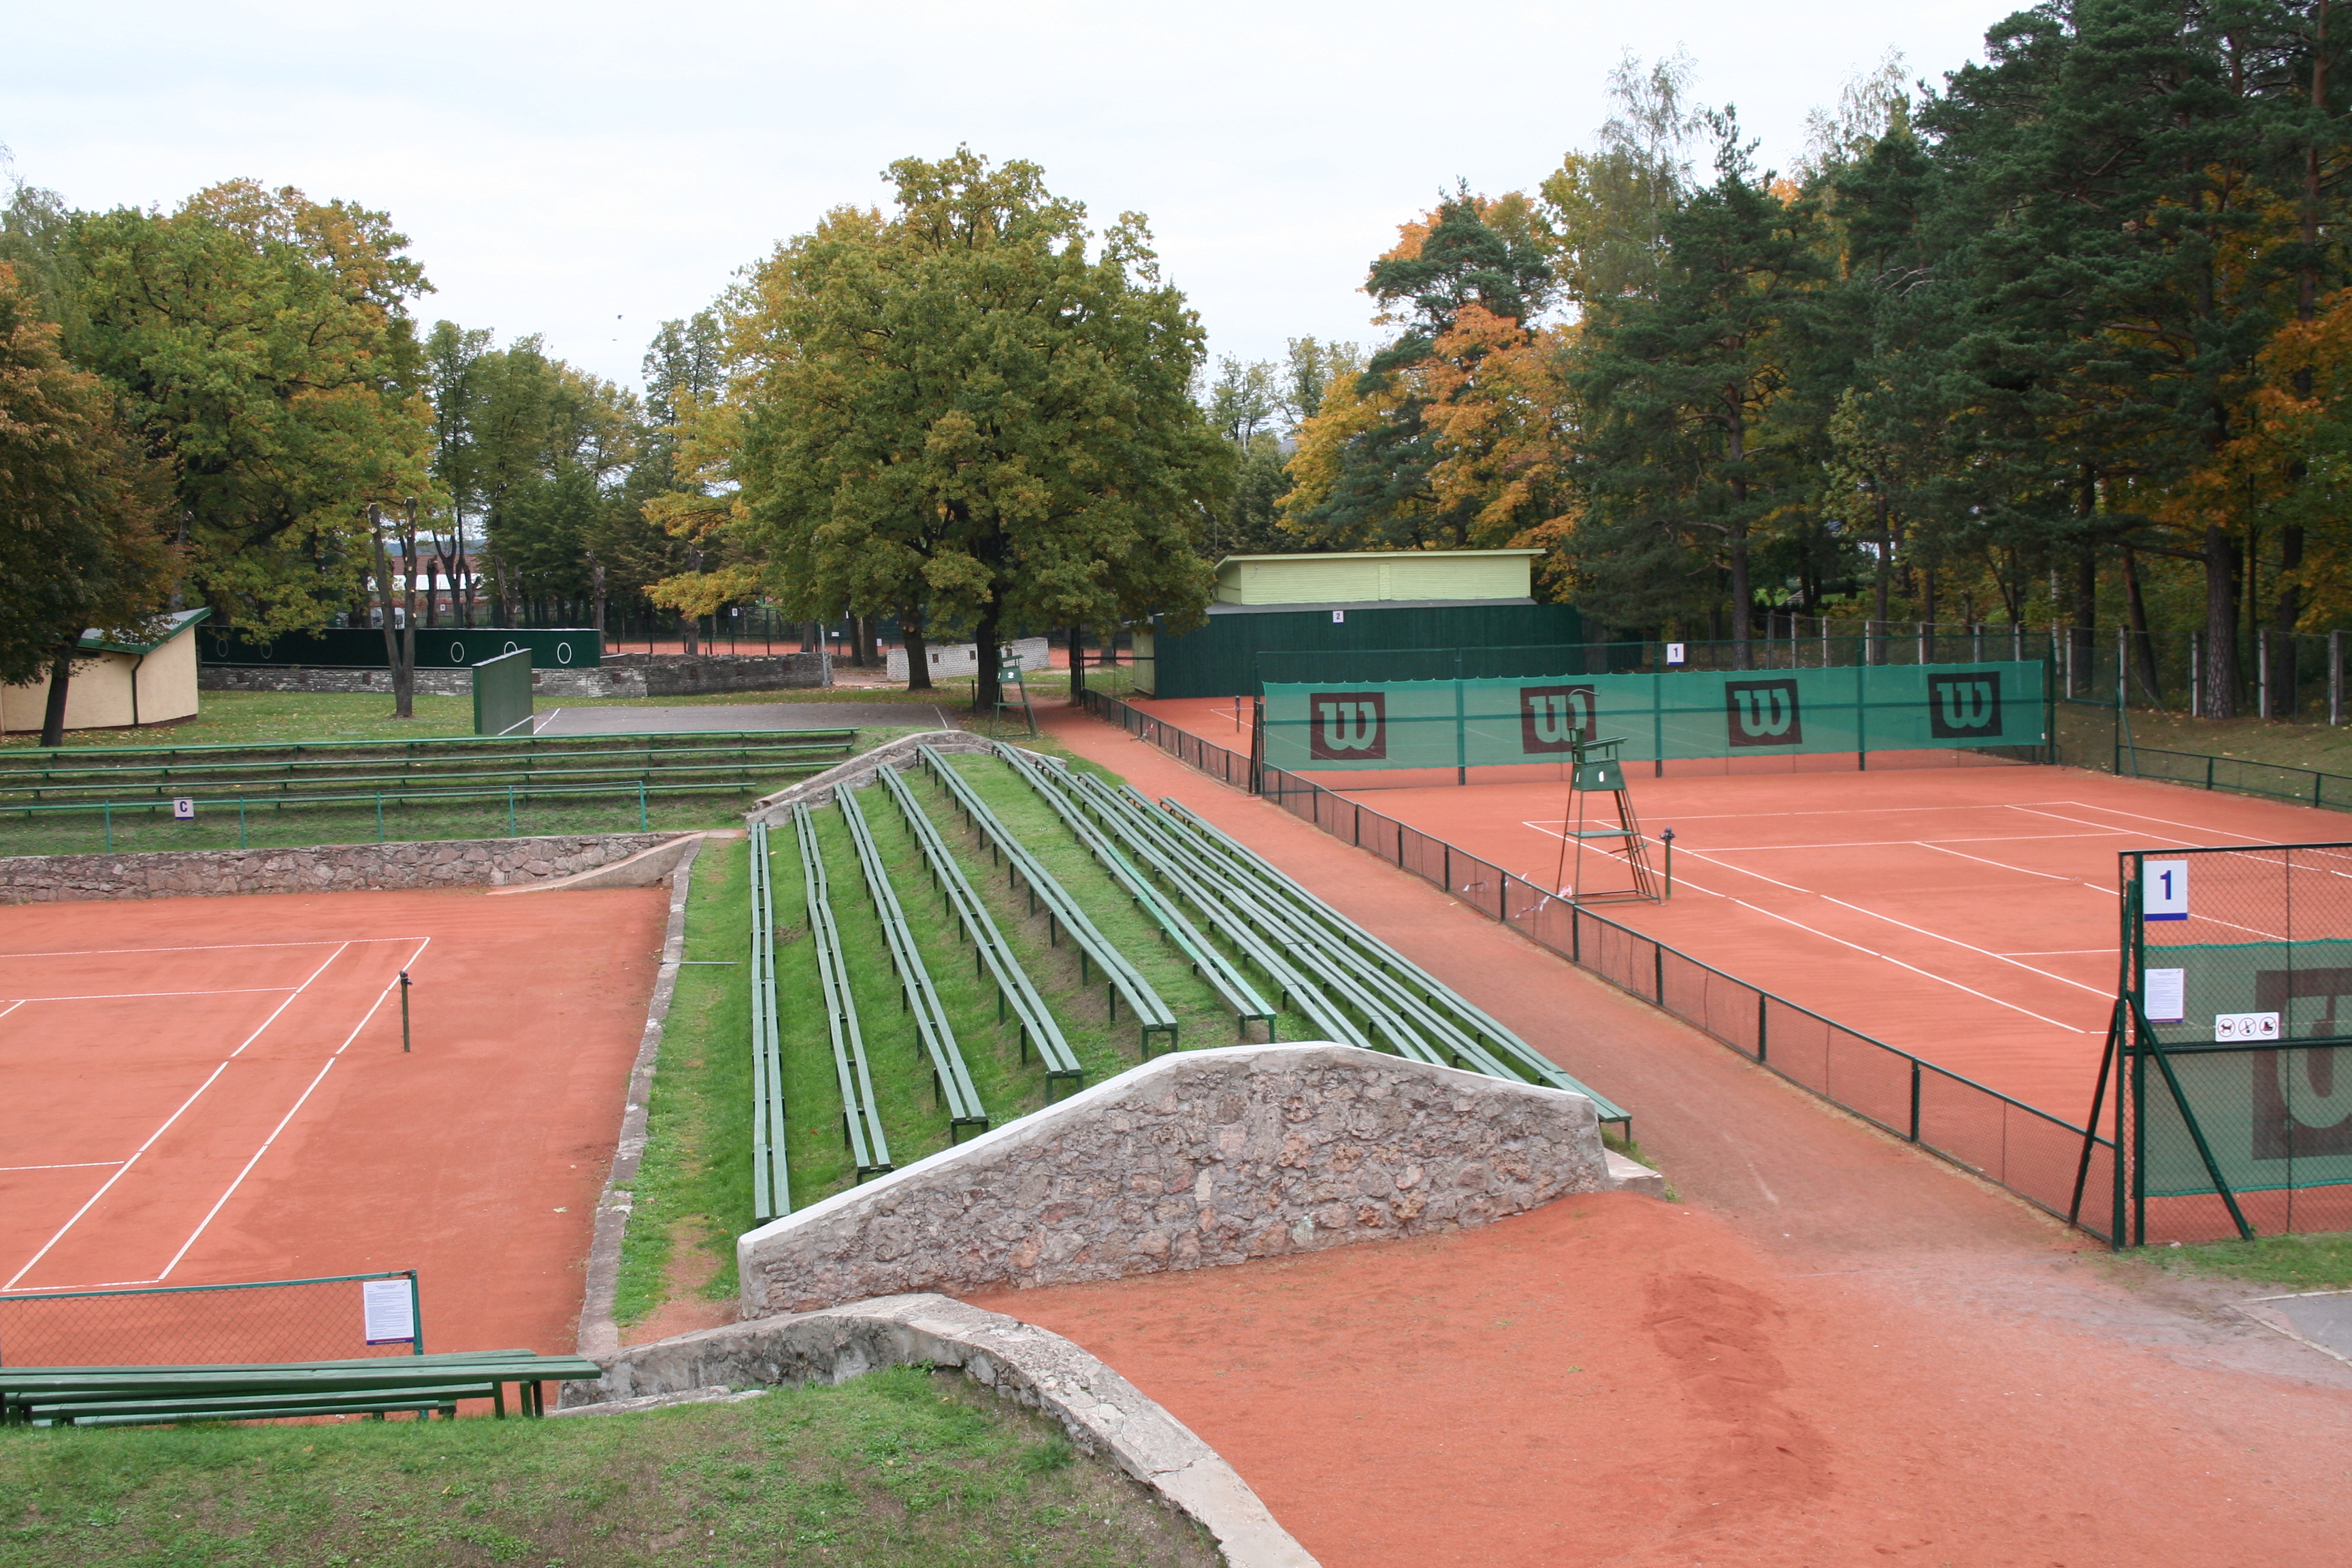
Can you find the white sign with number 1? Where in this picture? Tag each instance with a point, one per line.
(2164, 889)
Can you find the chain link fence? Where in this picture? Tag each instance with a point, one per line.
(2044, 1159)
(330, 1319)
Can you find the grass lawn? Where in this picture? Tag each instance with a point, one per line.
(693, 1193)
(1010, 1088)
(899, 1469)
(2296, 744)
(2320, 1262)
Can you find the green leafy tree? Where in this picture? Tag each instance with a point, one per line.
(968, 414)
(1684, 466)
(80, 507)
(1366, 481)
(261, 343)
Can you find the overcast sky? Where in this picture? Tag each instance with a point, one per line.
(584, 171)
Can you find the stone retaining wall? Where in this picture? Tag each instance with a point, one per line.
(320, 869)
(621, 675)
(1195, 1159)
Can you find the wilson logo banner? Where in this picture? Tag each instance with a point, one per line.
(1349, 726)
(1677, 714)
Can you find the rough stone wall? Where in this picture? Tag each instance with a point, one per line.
(621, 675)
(321, 869)
(1195, 1159)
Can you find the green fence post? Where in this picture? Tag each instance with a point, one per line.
(641, 806)
(110, 828)
(240, 825)
(510, 823)
(379, 816)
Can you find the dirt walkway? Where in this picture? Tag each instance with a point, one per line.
(1834, 1350)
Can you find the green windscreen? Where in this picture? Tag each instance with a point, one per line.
(1487, 723)
(502, 693)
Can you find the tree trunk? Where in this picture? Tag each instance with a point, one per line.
(2085, 635)
(2143, 644)
(985, 640)
(2221, 624)
(399, 642)
(53, 717)
(1077, 661)
(1740, 592)
(918, 653)
(596, 580)
(2288, 615)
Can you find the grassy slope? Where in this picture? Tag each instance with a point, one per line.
(1008, 1086)
(899, 1469)
(2298, 745)
(2297, 1262)
(267, 826)
(694, 1186)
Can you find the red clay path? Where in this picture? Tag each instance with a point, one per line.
(1833, 1350)
(204, 1091)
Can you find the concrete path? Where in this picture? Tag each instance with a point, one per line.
(702, 717)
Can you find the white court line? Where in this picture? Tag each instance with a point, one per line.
(2001, 865)
(76, 1166)
(133, 995)
(175, 1115)
(201, 947)
(1955, 942)
(1891, 843)
(1913, 968)
(298, 1104)
(1889, 958)
(9, 1008)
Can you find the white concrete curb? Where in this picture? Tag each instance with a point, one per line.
(1102, 1412)
(598, 1334)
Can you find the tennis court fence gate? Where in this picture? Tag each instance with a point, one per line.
(2049, 1162)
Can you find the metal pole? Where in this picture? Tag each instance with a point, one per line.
(1667, 839)
(404, 1009)
(2336, 677)
(110, 828)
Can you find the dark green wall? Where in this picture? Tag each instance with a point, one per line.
(1221, 658)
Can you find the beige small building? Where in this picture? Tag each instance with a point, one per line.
(1376, 576)
(126, 684)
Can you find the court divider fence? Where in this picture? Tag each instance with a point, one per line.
(339, 1317)
(2043, 1159)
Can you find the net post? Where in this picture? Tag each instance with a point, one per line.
(403, 1020)
(1915, 1099)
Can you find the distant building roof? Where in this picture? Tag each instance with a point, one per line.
(161, 631)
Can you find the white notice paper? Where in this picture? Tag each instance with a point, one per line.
(391, 1311)
(2164, 993)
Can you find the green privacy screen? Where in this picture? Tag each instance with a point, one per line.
(1490, 723)
(502, 693)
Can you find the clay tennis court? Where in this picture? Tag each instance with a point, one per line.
(207, 1090)
(1966, 914)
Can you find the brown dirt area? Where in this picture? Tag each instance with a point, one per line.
(1833, 1350)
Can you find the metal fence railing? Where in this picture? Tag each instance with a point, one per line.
(2041, 1158)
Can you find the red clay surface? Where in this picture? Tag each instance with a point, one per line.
(1833, 1350)
(1967, 915)
(205, 1090)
